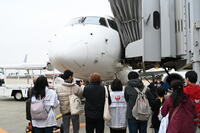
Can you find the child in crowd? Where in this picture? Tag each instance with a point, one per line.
(156, 108)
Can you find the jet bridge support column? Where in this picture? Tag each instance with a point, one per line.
(196, 60)
(195, 25)
(196, 48)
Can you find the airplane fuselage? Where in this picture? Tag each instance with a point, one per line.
(87, 45)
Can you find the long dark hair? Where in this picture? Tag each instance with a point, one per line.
(177, 94)
(39, 87)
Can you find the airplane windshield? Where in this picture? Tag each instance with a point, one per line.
(76, 21)
(95, 20)
(112, 24)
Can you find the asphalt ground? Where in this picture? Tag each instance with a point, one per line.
(13, 117)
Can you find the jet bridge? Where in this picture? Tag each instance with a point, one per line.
(159, 32)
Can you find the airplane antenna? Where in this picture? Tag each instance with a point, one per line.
(25, 58)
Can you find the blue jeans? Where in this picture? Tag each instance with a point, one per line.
(135, 125)
(43, 130)
(156, 130)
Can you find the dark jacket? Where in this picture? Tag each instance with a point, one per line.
(154, 85)
(28, 104)
(131, 94)
(95, 97)
(155, 110)
(182, 122)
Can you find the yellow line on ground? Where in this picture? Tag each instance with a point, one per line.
(2, 131)
(82, 124)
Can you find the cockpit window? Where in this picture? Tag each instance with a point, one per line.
(76, 20)
(95, 20)
(112, 24)
(88, 20)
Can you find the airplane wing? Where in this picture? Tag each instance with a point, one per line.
(152, 72)
(29, 66)
(25, 66)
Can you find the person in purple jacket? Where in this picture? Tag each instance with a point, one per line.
(181, 110)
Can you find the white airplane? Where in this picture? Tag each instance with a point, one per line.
(89, 44)
(92, 44)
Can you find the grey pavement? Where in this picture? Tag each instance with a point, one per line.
(13, 118)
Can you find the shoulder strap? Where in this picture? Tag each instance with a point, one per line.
(175, 111)
(106, 92)
(137, 89)
(47, 110)
(143, 91)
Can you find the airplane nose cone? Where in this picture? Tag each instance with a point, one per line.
(76, 54)
(71, 56)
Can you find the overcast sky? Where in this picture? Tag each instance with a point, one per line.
(27, 25)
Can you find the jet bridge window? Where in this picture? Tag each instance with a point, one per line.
(156, 20)
(112, 24)
(95, 20)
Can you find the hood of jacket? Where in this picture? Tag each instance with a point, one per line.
(136, 83)
(68, 84)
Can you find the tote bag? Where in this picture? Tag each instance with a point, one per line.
(106, 113)
(165, 121)
(75, 104)
(164, 124)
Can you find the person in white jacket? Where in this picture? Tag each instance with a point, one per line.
(41, 91)
(64, 90)
(117, 108)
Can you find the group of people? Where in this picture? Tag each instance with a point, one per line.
(182, 106)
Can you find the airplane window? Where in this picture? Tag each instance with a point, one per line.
(112, 24)
(95, 20)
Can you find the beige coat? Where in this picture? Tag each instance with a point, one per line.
(64, 91)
